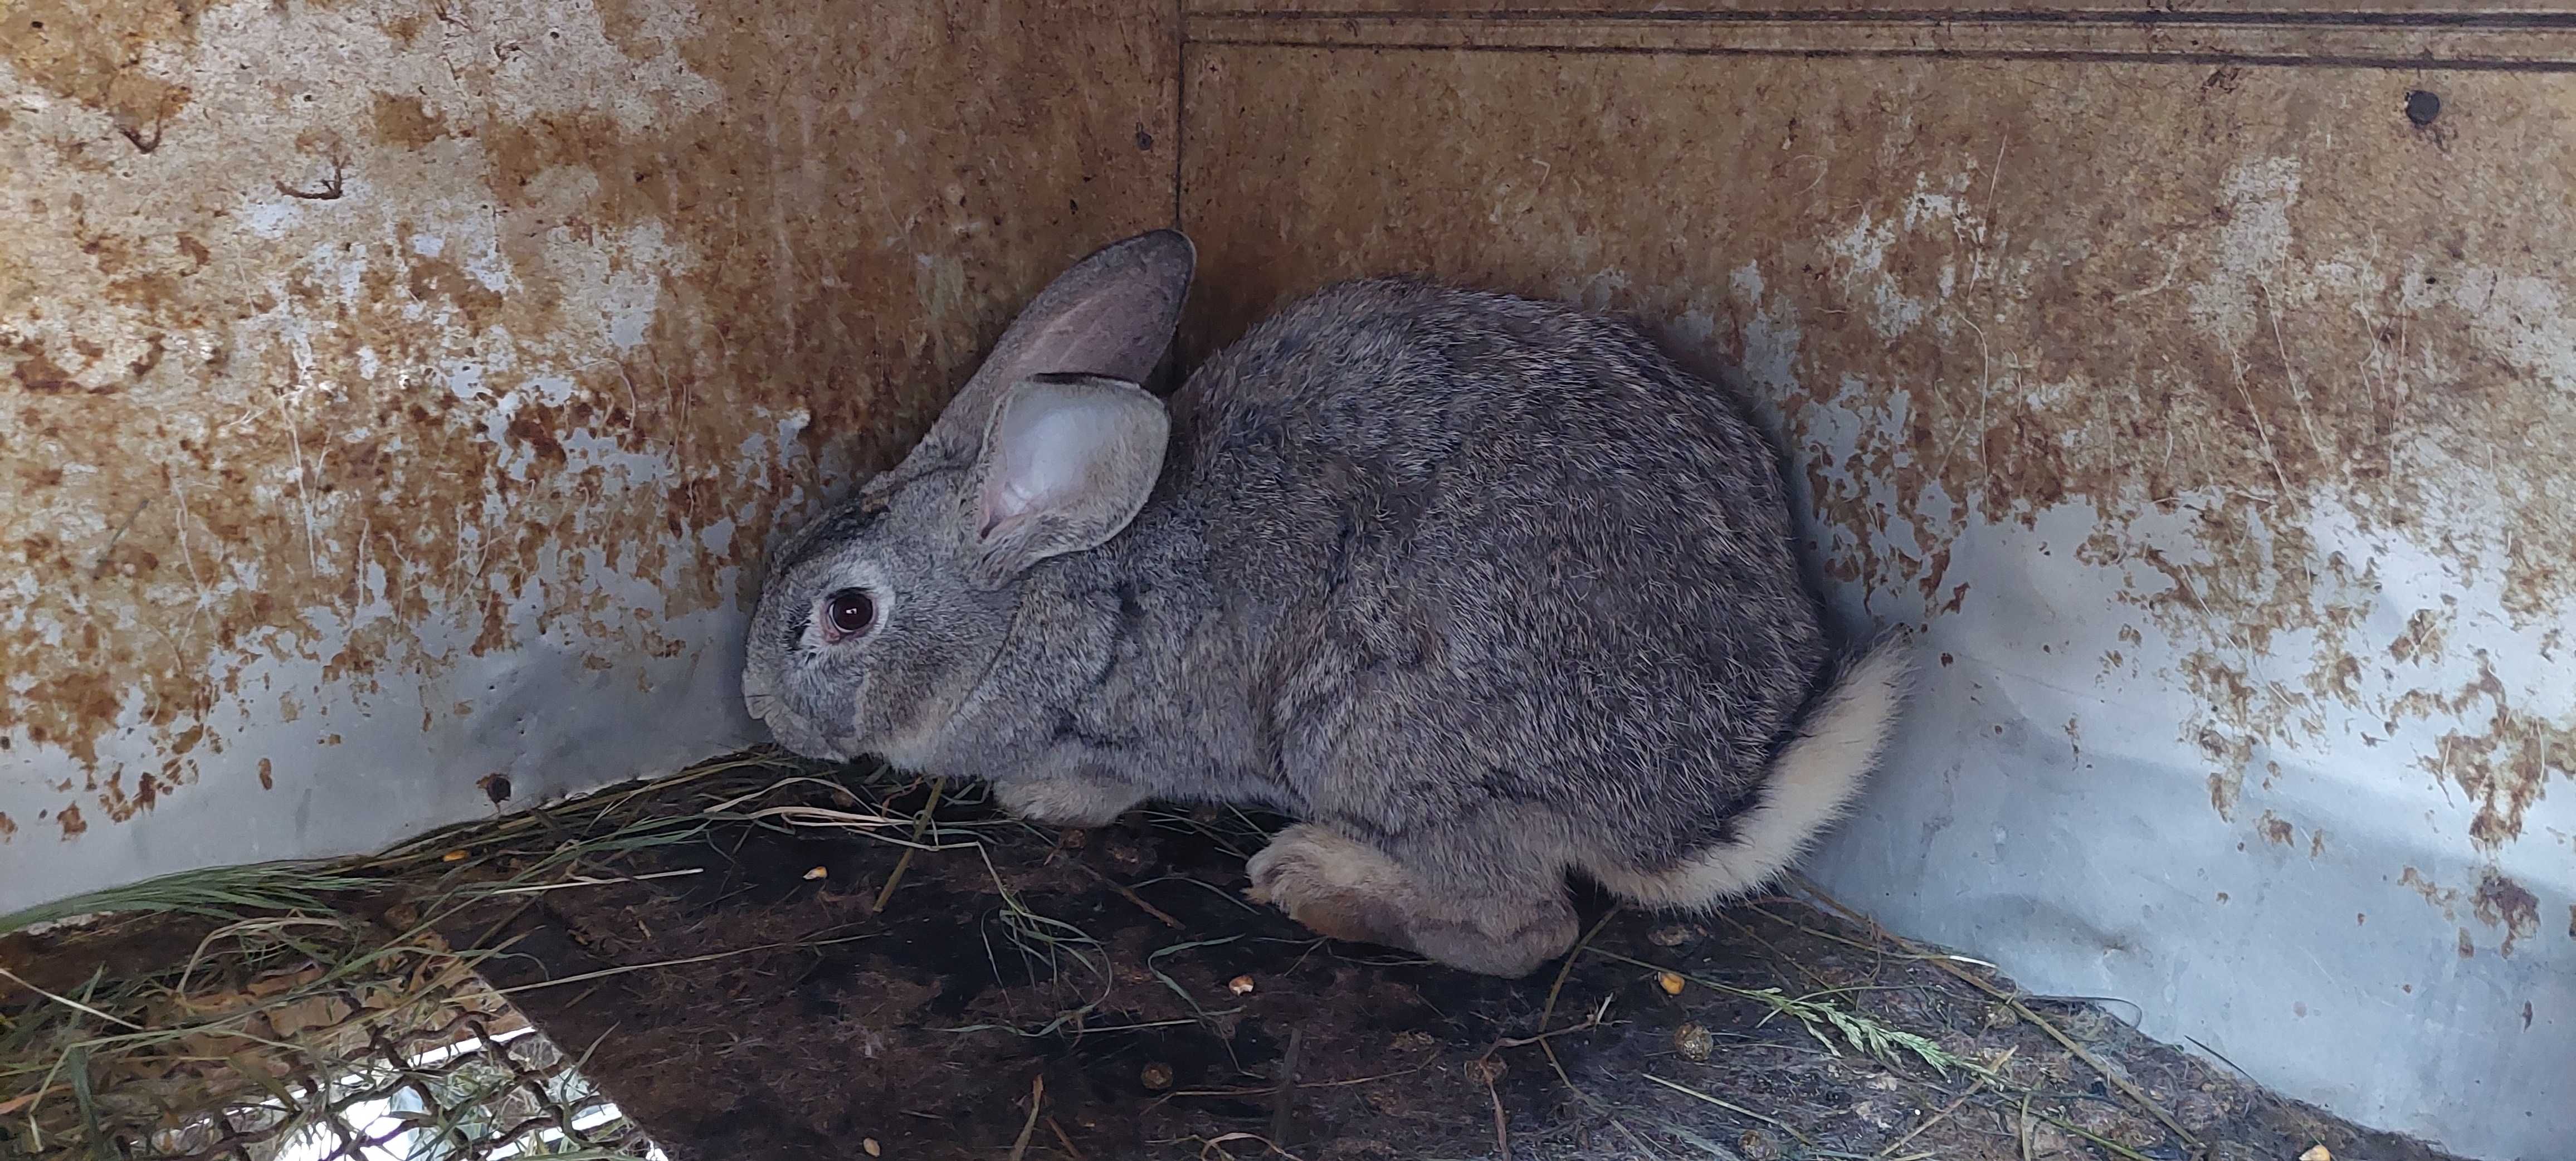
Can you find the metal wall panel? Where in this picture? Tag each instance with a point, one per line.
(395, 398)
(2210, 423)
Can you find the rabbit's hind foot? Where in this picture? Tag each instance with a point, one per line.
(1341, 888)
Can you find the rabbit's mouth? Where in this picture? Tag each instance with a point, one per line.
(790, 728)
(802, 739)
(761, 705)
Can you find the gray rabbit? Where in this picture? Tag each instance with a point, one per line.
(1484, 590)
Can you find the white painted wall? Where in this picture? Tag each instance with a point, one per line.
(2301, 820)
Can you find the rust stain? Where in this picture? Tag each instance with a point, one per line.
(2468, 948)
(531, 428)
(584, 320)
(2438, 896)
(69, 818)
(2501, 902)
(41, 375)
(9, 830)
(2423, 637)
(2277, 831)
(436, 281)
(2504, 766)
(407, 121)
(67, 710)
(91, 51)
(1962, 307)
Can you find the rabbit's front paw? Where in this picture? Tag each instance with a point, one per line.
(1073, 802)
(1334, 886)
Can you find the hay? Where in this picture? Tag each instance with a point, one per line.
(311, 1012)
(318, 1012)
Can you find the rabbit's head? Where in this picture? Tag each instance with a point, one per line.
(881, 618)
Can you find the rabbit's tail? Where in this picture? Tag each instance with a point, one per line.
(1811, 781)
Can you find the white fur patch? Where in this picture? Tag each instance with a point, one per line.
(1815, 777)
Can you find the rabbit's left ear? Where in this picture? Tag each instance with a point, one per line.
(1066, 462)
(1112, 314)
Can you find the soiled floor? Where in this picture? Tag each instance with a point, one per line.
(1106, 995)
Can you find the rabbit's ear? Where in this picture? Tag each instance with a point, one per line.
(1111, 315)
(1067, 461)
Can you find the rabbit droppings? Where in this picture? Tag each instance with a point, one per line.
(1481, 589)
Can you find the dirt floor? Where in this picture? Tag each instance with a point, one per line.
(1106, 994)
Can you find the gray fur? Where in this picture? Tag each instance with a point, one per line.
(1483, 589)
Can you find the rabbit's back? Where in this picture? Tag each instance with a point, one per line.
(1492, 554)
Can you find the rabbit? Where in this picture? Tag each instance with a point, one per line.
(1482, 590)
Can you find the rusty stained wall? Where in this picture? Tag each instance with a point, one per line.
(398, 394)
(2212, 426)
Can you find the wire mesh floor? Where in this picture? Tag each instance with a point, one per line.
(288, 1014)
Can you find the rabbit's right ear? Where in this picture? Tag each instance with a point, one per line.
(1111, 315)
(1067, 461)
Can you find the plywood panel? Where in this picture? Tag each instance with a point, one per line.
(2165, 11)
(2391, 33)
(396, 399)
(2210, 423)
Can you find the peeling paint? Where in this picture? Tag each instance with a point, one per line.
(2220, 410)
(2501, 902)
(2277, 385)
(399, 398)
(2432, 892)
(424, 380)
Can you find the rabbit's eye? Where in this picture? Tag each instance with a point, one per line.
(849, 612)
